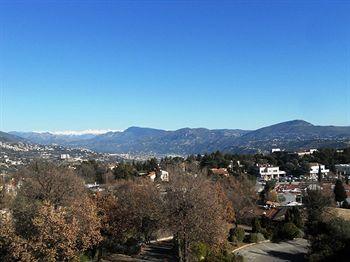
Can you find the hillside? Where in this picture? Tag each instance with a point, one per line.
(290, 135)
(47, 138)
(6, 137)
(139, 140)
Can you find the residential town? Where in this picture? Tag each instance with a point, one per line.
(269, 191)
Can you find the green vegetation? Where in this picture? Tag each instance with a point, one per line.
(256, 237)
(236, 235)
(289, 231)
(329, 236)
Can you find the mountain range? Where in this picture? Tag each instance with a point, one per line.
(290, 135)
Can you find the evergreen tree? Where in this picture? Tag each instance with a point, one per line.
(293, 215)
(256, 226)
(319, 175)
(339, 191)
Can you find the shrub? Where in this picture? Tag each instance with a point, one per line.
(256, 237)
(289, 231)
(267, 233)
(200, 251)
(236, 234)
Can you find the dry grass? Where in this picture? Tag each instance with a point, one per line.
(332, 212)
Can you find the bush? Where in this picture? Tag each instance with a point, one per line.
(256, 237)
(200, 251)
(236, 234)
(289, 231)
(267, 233)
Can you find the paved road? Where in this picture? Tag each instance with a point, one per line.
(277, 252)
(159, 251)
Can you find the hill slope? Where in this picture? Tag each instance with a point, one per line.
(290, 135)
(6, 137)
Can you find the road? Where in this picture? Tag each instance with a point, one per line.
(294, 251)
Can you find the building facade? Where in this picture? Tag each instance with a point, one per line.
(315, 168)
(267, 172)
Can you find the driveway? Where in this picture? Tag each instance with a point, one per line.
(294, 250)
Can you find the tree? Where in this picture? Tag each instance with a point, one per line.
(46, 181)
(256, 225)
(52, 216)
(236, 234)
(195, 214)
(241, 192)
(339, 192)
(331, 241)
(59, 235)
(319, 174)
(12, 246)
(315, 202)
(267, 193)
(289, 231)
(91, 171)
(293, 215)
(124, 171)
(133, 210)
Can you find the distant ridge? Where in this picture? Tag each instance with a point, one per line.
(290, 135)
(6, 137)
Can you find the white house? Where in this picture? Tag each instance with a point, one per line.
(161, 174)
(268, 172)
(273, 150)
(164, 175)
(65, 156)
(307, 152)
(314, 169)
(343, 169)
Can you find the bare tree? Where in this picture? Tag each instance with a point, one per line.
(241, 192)
(196, 213)
(133, 211)
(47, 181)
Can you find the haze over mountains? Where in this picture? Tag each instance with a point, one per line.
(291, 135)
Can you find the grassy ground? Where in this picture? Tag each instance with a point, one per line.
(343, 213)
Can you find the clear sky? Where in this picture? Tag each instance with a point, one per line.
(75, 65)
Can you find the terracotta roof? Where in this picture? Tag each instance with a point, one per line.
(288, 188)
(276, 213)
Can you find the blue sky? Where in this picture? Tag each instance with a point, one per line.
(75, 65)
